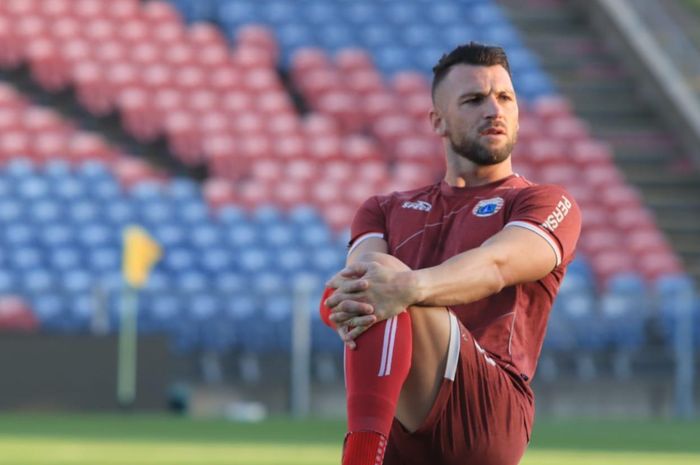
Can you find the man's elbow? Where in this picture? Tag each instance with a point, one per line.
(497, 280)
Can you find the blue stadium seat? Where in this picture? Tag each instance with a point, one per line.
(241, 236)
(64, 258)
(215, 260)
(24, 257)
(231, 283)
(38, 282)
(291, 260)
(10, 210)
(45, 211)
(19, 168)
(119, 213)
(255, 259)
(83, 211)
(231, 215)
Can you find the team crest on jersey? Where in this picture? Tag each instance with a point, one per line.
(420, 205)
(488, 207)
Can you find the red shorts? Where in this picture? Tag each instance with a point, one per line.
(481, 416)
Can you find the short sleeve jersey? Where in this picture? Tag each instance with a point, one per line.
(425, 227)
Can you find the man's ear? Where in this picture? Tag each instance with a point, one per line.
(438, 123)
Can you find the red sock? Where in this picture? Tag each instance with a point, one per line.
(374, 374)
(364, 448)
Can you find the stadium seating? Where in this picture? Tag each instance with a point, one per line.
(283, 183)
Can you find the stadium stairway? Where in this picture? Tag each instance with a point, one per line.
(604, 94)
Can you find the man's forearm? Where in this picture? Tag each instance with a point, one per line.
(464, 278)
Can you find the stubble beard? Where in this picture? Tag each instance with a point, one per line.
(477, 153)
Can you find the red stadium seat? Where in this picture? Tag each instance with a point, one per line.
(360, 149)
(260, 37)
(316, 124)
(325, 148)
(656, 264)
(84, 146)
(122, 10)
(309, 59)
(137, 114)
(291, 147)
(223, 159)
(212, 123)
(158, 12)
(131, 171)
(634, 219)
(50, 144)
(285, 123)
(288, 193)
(11, 50)
(168, 33)
(184, 138)
(237, 102)
(223, 79)
(254, 193)
(267, 170)
(218, 192)
(65, 28)
(616, 196)
(134, 32)
(409, 83)
(214, 58)
(599, 176)
(551, 107)
(55, 8)
(47, 67)
(591, 152)
(339, 214)
(352, 60)
(110, 51)
(251, 58)
(611, 262)
(202, 35)
(363, 82)
(342, 107)
(568, 129)
(304, 171)
(99, 30)
(391, 130)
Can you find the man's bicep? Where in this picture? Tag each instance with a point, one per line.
(372, 243)
(523, 255)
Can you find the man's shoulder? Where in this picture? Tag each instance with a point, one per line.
(397, 198)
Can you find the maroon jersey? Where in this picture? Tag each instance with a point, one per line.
(426, 226)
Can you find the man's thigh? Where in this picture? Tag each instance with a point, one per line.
(479, 415)
(430, 330)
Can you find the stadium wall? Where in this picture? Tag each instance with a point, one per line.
(78, 372)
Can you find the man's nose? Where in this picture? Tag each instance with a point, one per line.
(492, 107)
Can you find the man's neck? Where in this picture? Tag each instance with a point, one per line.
(471, 175)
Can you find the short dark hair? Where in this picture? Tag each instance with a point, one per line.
(472, 53)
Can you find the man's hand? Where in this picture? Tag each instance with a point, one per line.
(372, 289)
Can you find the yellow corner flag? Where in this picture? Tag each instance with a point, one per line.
(141, 252)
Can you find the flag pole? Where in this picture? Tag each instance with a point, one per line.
(127, 361)
(140, 253)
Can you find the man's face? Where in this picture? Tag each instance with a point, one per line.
(476, 109)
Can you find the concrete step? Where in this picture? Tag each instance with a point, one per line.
(670, 198)
(686, 243)
(656, 176)
(679, 223)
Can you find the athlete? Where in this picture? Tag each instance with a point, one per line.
(444, 301)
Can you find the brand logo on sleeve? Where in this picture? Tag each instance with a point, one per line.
(420, 205)
(488, 207)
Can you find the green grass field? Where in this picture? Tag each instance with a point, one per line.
(164, 440)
